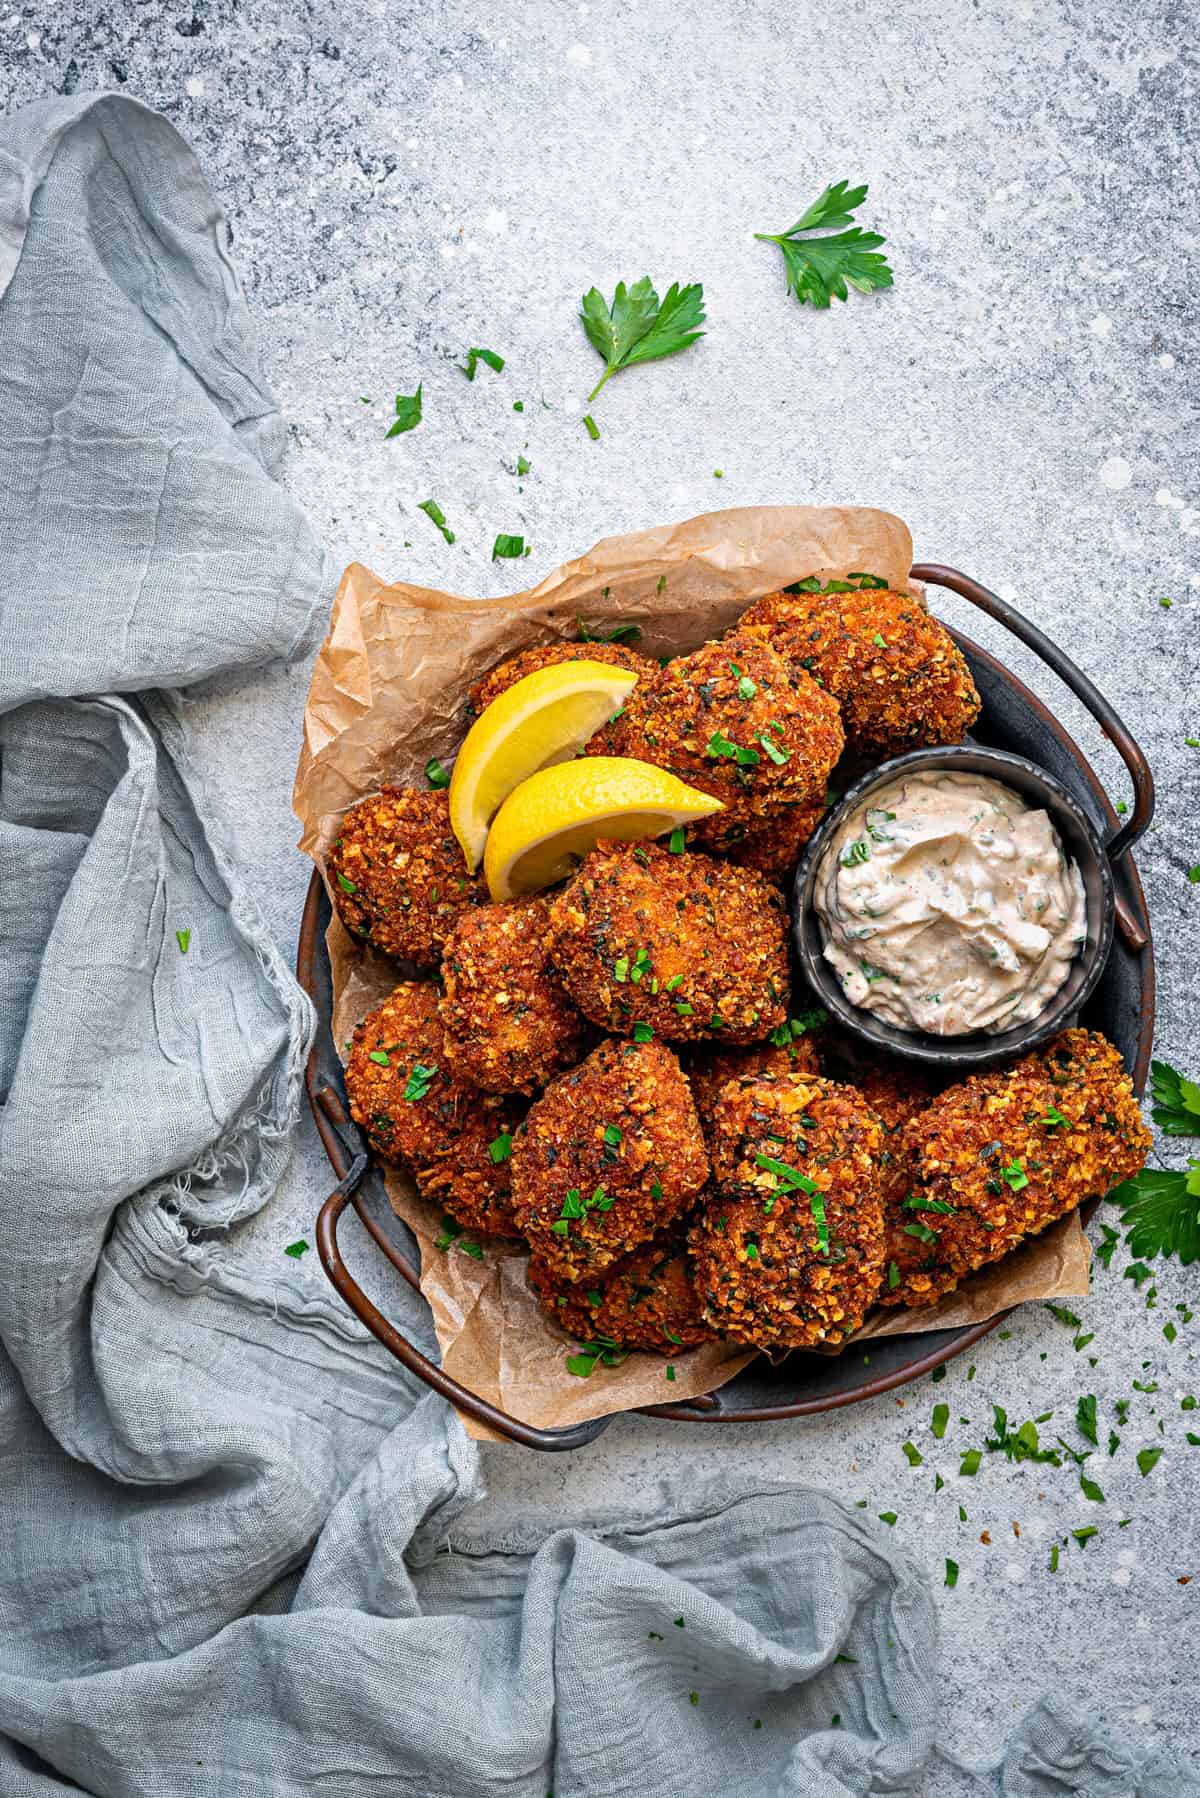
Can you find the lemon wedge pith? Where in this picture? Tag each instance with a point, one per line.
(552, 819)
(537, 722)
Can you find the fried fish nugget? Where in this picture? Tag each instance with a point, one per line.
(691, 947)
(646, 1300)
(773, 845)
(708, 1073)
(397, 874)
(609, 1154)
(417, 1115)
(1004, 1154)
(735, 721)
(548, 655)
(789, 1255)
(898, 675)
(509, 1027)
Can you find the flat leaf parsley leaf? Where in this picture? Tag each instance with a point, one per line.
(638, 327)
(1160, 1208)
(1176, 1100)
(819, 269)
(475, 357)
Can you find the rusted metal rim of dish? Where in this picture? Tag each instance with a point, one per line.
(346, 1150)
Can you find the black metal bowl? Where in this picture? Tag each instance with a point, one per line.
(1121, 1005)
(1082, 844)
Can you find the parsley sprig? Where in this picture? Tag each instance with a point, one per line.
(819, 269)
(1176, 1100)
(1160, 1208)
(638, 327)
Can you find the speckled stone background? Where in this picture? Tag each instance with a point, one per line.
(404, 181)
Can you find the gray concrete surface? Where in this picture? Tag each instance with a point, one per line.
(405, 181)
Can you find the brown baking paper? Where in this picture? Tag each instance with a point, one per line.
(387, 693)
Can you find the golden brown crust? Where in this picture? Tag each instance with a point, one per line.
(549, 655)
(509, 1026)
(708, 1073)
(397, 874)
(779, 1263)
(990, 1157)
(609, 1154)
(898, 675)
(443, 1130)
(772, 846)
(646, 1300)
(644, 937)
(735, 721)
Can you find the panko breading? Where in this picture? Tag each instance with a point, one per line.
(609, 1154)
(735, 721)
(1004, 1154)
(509, 1026)
(417, 1115)
(789, 1255)
(397, 874)
(548, 655)
(646, 1300)
(691, 947)
(898, 675)
(708, 1073)
(773, 845)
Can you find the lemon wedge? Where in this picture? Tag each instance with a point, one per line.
(537, 722)
(548, 823)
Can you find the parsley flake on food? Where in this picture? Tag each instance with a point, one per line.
(434, 512)
(638, 327)
(475, 357)
(435, 774)
(419, 1081)
(500, 1147)
(408, 412)
(820, 269)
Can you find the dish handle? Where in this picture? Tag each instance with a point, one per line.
(1123, 839)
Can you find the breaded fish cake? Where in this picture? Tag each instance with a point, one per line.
(1006, 1153)
(452, 1139)
(509, 1027)
(898, 675)
(609, 1154)
(646, 1300)
(691, 947)
(708, 1073)
(773, 845)
(397, 874)
(735, 721)
(789, 1254)
(548, 655)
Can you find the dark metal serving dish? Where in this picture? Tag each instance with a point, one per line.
(1121, 1004)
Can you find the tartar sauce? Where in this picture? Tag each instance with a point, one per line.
(949, 905)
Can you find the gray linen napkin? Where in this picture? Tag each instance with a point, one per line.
(240, 1552)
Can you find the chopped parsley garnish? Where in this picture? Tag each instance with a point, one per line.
(643, 1033)
(638, 327)
(941, 1417)
(857, 852)
(475, 357)
(1085, 1417)
(1054, 1117)
(612, 1136)
(677, 841)
(591, 427)
(820, 269)
(296, 1249)
(500, 1147)
(1015, 1175)
(434, 512)
(183, 938)
(408, 412)
(951, 1573)
(621, 969)
(878, 641)
(915, 1202)
(893, 1276)
(774, 753)
(435, 774)
(670, 1371)
(888, 1517)
(746, 688)
(347, 886)
(913, 1453)
(971, 1460)
(507, 548)
(620, 633)
(876, 819)
(523, 465)
(1090, 1490)
(379, 1055)
(720, 747)
(419, 1081)
(922, 1232)
(1176, 1101)
(1084, 1536)
(1148, 1459)
(602, 1351)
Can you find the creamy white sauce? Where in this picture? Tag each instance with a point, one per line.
(949, 905)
